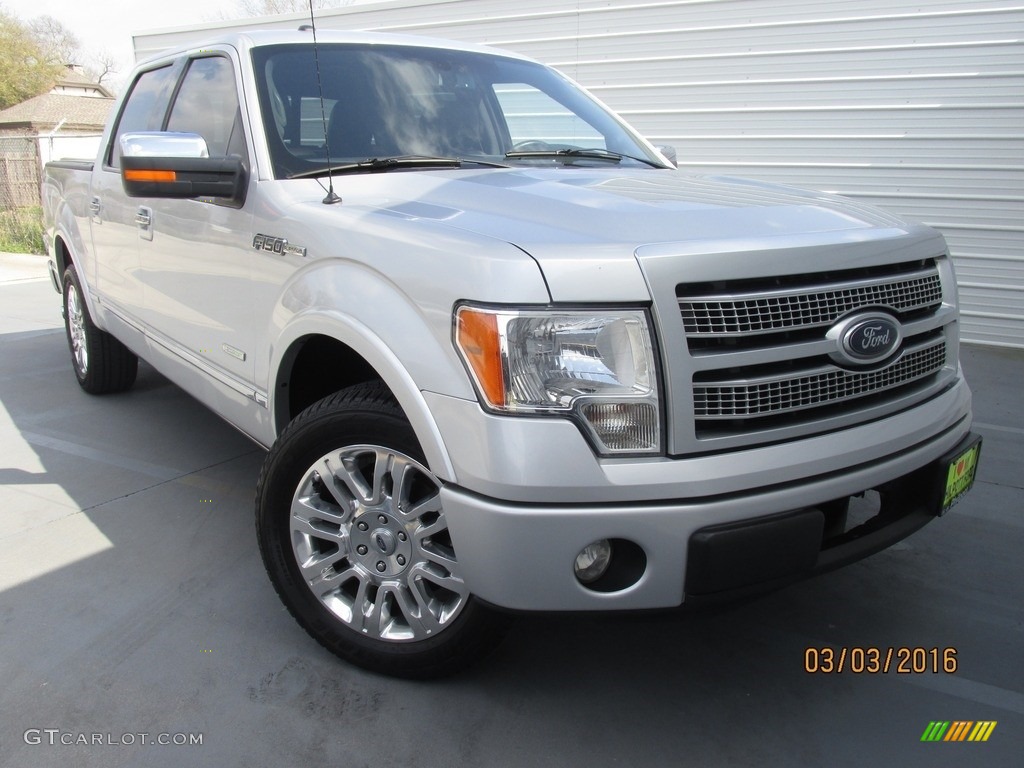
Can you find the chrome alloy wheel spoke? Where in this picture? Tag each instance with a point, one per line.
(371, 542)
(76, 326)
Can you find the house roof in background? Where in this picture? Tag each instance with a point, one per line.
(79, 113)
(73, 78)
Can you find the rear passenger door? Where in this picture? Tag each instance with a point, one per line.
(113, 216)
(195, 267)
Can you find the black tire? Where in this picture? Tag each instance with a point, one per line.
(346, 494)
(102, 363)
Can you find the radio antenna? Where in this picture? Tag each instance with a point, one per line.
(331, 196)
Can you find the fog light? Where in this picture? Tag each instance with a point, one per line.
(593, 560)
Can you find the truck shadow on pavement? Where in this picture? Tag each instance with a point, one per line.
(134, 600)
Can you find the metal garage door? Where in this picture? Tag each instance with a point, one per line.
(917, 107)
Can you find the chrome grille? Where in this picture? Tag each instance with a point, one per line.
(780, 394)
(769, 311)
(758, 360)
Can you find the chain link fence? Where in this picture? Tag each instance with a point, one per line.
(21, 225)
(19, 172)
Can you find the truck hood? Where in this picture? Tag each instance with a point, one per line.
(574, 205)
(575, 220)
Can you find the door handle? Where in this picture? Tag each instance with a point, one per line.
(94, 206)
(144, 221)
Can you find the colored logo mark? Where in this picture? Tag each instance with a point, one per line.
(960, 476)
(958, 730)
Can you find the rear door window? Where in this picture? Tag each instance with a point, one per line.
(144, 109)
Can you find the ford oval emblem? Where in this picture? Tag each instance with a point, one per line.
(866, 338)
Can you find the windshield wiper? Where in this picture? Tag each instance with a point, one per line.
(576, 152)
(381, 164)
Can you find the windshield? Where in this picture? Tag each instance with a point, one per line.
(384, 101)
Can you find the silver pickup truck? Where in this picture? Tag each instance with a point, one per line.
(504, 355)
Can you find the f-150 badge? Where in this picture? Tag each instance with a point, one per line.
(277, 245)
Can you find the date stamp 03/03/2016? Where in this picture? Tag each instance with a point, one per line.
(906, 660)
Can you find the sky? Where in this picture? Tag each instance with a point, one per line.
(109, 24)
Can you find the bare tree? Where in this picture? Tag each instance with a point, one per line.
(58, 43)
(102, 66)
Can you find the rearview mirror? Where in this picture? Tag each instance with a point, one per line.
(178, 165)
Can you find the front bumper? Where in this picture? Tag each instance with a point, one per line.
(729, 560)
(520, 556)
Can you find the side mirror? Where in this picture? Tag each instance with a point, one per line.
(669, 153)
(178, 165)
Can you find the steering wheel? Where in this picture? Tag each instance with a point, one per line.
(531, 145)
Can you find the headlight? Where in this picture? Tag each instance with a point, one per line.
(597, 367)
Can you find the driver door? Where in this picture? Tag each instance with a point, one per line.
(195, 261)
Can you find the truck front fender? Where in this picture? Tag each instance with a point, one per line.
(376, 352)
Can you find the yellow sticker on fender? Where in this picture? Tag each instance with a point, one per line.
(960, 477)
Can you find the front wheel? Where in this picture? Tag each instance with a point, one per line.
(353, 534)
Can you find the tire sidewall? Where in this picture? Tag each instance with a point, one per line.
(316, 433)
(110, 366)
(71, 281)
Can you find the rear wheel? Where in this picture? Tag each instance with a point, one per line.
(102, 363)
(354, 537)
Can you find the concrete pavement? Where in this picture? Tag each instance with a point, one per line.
(134, 608)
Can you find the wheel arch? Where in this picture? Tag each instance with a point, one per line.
(64, 256)
(67, 241)
(320, 356)
(61, 254)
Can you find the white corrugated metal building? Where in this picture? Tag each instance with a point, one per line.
(916, 107)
